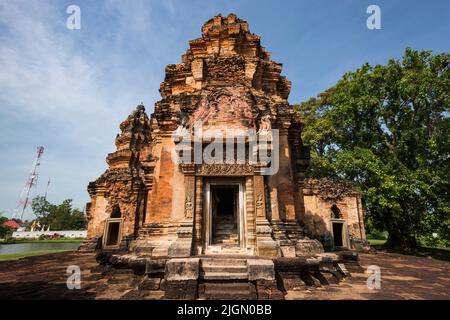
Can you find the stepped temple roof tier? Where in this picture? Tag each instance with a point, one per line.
(152, 203)
(226, 61)
(227, 53)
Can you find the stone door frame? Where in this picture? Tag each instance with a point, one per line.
(108, 222)
(241, 214)
(345, 233)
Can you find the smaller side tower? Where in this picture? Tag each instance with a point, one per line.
(118, 195)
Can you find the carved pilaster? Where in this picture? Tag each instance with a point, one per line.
(265, 244)
(250, 208)
(260, 197)
(198, 219)
(182, 246)
(148, 167)
(189, 187)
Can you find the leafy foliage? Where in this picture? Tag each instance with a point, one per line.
(58, 217)
(387, 129)
(5, 231)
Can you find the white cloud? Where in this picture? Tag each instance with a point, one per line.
(42, 74)
(69, 89)
(57, 92)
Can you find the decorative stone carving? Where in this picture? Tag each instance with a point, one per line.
(265, 125)
(225, 106)
(259, 201)
(260, 197)
(188, 207)
(225, 170)
(329, 189)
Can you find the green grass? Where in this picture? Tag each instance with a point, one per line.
(42, 241)
(16, 256)
(376, 242)
(421, 251)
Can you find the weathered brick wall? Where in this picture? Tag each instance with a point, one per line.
(319, 198)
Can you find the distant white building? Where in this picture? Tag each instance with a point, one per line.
(36, 234)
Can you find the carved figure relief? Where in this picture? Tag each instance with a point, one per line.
(188, 207)
(259, 201)
(224, 106)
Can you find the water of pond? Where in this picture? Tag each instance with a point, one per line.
(37, 246)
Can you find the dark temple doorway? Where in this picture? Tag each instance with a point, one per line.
(224, 204)
(337, 234)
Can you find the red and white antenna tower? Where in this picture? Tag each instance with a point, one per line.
(30, 184)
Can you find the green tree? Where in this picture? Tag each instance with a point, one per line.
(5, 231)
(58, 217)
(387, 129)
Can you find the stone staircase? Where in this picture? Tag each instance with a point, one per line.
(223, 269)
(225, 233)
(220, 290)
(224, 279)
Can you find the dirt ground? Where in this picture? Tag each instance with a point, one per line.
(402, 277)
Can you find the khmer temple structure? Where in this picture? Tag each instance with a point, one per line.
(219, 166)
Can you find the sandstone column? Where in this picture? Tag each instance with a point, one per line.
(281, 183)
(265, 244)
(182, 247)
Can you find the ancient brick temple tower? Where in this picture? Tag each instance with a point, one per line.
(151, 203)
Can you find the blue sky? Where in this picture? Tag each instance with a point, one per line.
(68, 90)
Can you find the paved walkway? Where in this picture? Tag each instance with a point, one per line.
(402, 277)
(44, 277)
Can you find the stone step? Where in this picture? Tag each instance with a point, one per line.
(226, 241)
(223, 262)
(224, 217)
(226, 250)
(226, 235)
(230, 269)
(228, 291)
(229, 286)
(225, 230)
(225, 227)
(230, 295)
(224, 224)
(230, 248)
(225, 238)
(223, 275)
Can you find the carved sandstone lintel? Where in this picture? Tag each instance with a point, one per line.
(225, 170)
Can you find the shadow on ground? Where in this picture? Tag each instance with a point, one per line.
(402, 277)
